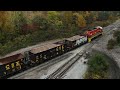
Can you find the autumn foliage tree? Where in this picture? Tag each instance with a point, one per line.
(20, 21)
(30, 27)
(5, 26)
(80, 21)
(67, 19)
(3, 19)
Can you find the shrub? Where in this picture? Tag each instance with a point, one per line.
(116, 35)
(97, 63)
(97, 67)
(111, 44)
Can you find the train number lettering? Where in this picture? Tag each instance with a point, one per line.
(18, 64)
(7, 67)
(12, 65)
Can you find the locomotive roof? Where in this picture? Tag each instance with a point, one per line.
(11, 59)
(74, 38)
(44, 48)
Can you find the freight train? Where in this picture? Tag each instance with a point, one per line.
(21, 62)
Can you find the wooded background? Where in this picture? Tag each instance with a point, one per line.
(19, 29)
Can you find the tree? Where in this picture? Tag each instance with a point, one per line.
(54, 20)
(3, 19)
(81, 22)
(2, 38)
(20, 21)
(67, 19)
(103, 15)
(40, 22)
(91, 18)
(5, 27)
(52, 16)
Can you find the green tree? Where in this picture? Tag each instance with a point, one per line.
(52, 16)
(40, 22)
(67, 19)
(5, 27)
(90, 18)
(103, 15)
(54, 20)
(97, 67)
(20, 21)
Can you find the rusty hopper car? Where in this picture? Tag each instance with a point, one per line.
(44, 53)
(75, 41)
(10, 65)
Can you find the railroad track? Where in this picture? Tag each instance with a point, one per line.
(44, 65)
(61, 71)
(64, 68)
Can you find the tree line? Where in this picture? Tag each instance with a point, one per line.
(20, 29)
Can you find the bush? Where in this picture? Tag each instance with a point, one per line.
(97, 63)
(116, 35)
(115, 41)
(111, 44)
(97, 67)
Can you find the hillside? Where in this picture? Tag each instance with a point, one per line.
(20, 29)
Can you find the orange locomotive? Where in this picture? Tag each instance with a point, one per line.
(91, 34)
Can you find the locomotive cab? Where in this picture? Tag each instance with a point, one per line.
(93, 33)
